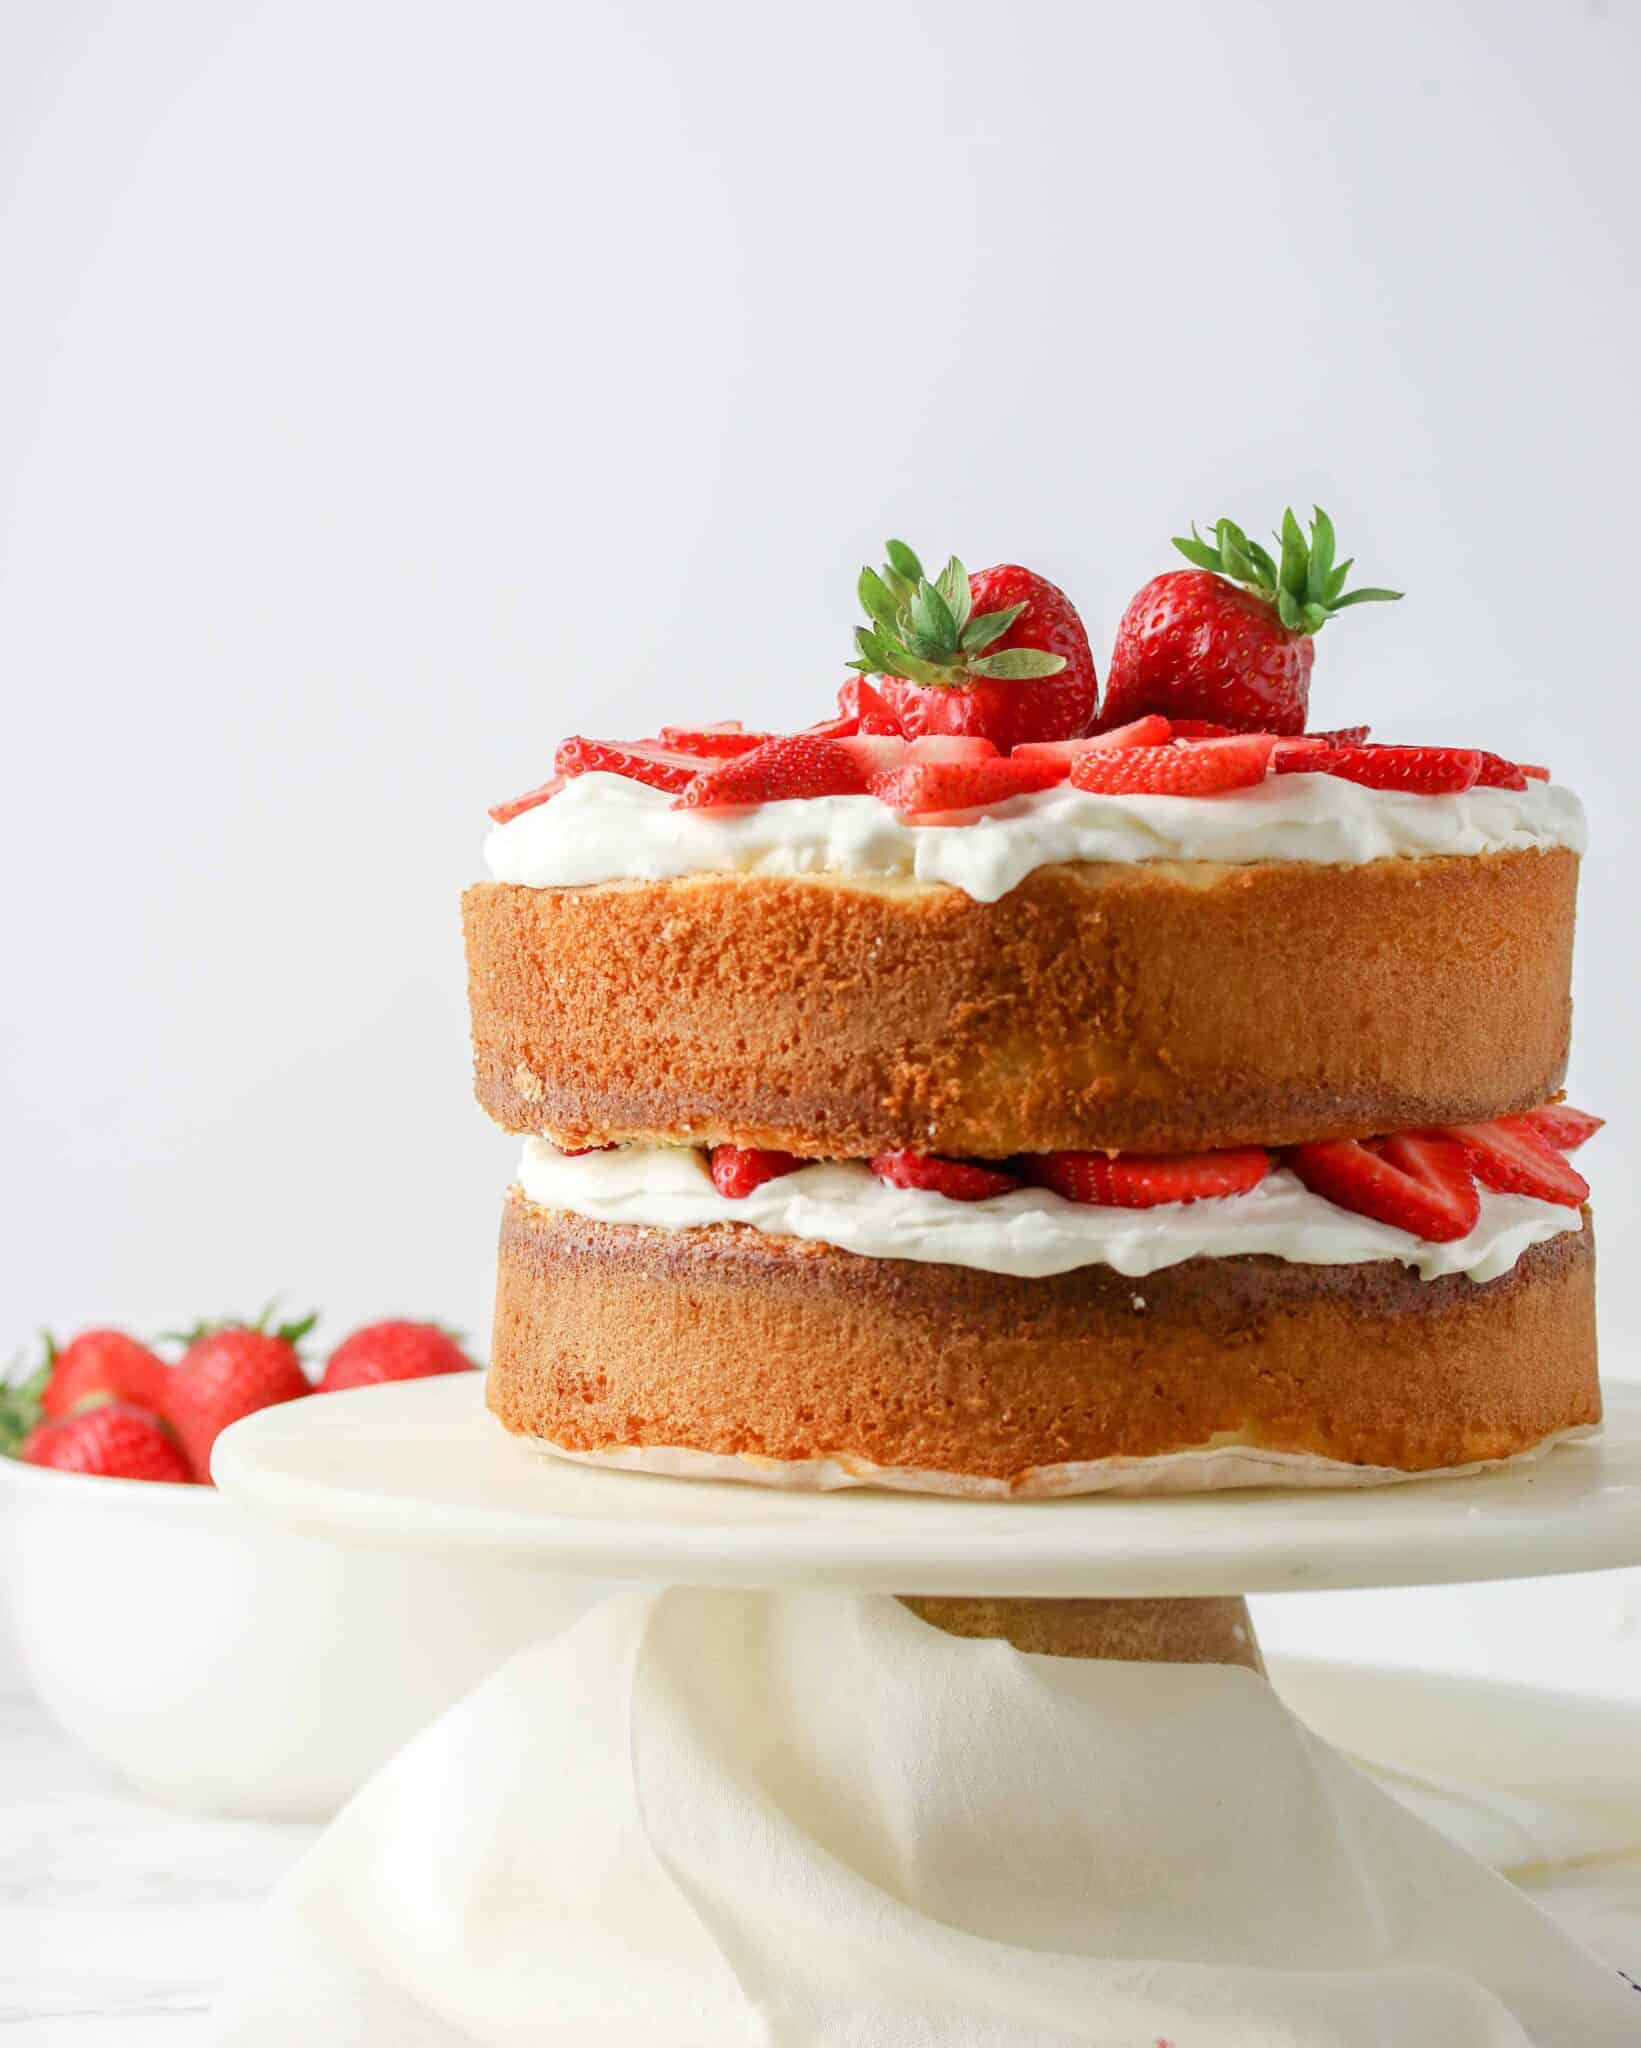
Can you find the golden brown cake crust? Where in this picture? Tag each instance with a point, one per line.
(1159, 1007)
(726, 1340)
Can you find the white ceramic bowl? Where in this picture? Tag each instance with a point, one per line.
(230, 1666)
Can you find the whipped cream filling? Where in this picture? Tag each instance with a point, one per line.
(1029, 1234)
(604, 828)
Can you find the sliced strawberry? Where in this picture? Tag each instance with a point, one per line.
(1139, 1180)
(1202, 729)
(952, 746)
(1532, 772)
(792, 766)
(942, 792)
(712, 742)
(518, 805)
(646, 761)
(830, 729)
(738, 1169)
(1563, 1126)
(1140, 732)
(875, 753)
(1511, 1157)
(1341, 736)
(1203, 768)
(959, 1180)
(1497, 773)
(1423, 771)
(1419, 1182)
(861, 699)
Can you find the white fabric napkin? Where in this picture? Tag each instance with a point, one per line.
(700, 1819)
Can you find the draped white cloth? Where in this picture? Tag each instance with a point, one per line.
(703, 1819)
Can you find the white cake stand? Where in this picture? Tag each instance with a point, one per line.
(423, 1465)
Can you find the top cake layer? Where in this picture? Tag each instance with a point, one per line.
(989, 908)
(1151, 1006)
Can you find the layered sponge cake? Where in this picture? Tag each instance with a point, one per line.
(980, 1092)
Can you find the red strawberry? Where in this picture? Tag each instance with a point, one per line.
(712, 742)
(103, 1365)
(1137, 1180)
(1341, 736)
(1230, 640)
(1497, 773)
(1202, 768)
(951, 746)
(949, 792)
(393, 1351)
(1144, 732)
(738, 1169)
(1533, 773)
(862, 700)
(1563, 1126)
(1056, 707)
(959, 1180)
(1000, 655)
(1510, 1156)
(114, 1440)
(1421, 771)
(228, 1372)
(791, 766)
(1418, 1181)
(516, 806)
(875, 753)
(646, 761)
(831, 729)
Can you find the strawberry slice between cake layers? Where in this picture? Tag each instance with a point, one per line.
(1419, 1182)
(1409, 1199)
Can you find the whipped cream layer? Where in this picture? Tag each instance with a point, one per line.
(603, 828)
(1029, 1234)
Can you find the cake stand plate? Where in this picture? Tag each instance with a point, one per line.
(424, 1465)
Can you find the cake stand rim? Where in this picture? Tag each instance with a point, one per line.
(422, 1465)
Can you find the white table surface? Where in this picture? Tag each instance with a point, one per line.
(119, 1919)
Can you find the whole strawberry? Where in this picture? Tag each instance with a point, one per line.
(999, 655)
(228, 1371)
(114, 1440)
(1231, 640)
(103, 1365)
(393, 1350)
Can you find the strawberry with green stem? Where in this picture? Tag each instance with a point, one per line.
(395, 1349)
(1231, 640)
(1001, 654)
(230, 1370)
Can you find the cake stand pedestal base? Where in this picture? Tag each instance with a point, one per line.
(1211, 1631)
(768, 1771)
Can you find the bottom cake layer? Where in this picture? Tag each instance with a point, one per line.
(800, 1364)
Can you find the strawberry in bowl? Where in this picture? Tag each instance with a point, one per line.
(209, 1658)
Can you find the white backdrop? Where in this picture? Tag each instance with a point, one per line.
(387, 389)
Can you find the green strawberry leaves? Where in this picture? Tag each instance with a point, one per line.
(20, 1399)
(924, 630)
(1305, 584)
